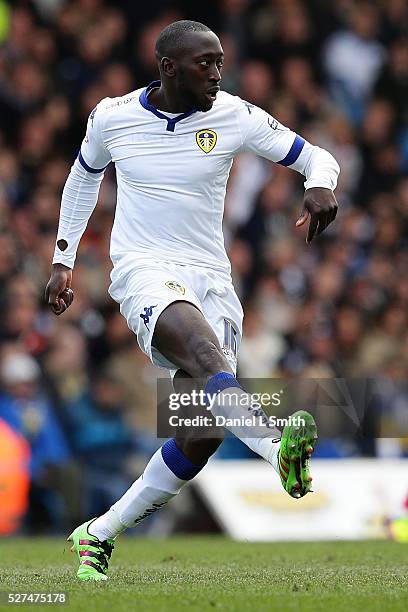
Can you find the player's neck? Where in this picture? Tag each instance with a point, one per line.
(167, 101)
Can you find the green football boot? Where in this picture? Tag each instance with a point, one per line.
(93, 554)
(296, 448)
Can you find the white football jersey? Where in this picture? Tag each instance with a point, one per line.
(172, 172)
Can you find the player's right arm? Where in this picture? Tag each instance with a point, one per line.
(78, 202)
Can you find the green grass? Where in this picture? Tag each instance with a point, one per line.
(213, 573)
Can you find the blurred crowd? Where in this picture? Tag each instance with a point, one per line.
(77, 395)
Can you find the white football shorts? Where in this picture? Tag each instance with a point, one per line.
(144, 288)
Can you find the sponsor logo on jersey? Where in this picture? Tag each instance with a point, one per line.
(206, 140)
(175, 286)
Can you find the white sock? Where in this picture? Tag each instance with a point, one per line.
(266, 448)
(155, 487)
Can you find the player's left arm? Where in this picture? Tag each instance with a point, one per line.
(264, 135)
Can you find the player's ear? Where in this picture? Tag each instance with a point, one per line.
(167, 66)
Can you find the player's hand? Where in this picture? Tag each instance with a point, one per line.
(58, 293)
(320, 205)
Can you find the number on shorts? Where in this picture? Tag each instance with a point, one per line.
(230, 339)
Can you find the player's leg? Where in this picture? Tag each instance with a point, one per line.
(171, 467)
(149, 291)
(175, 463)
(184, 337)
(289, 455)
(163, 477)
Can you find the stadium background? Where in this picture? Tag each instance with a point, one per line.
(78, 397)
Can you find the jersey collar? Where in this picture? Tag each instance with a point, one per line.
(171, 121)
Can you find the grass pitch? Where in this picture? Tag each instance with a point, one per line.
(212, 573)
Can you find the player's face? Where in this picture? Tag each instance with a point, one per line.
(198, 70)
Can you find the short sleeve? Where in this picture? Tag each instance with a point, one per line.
(264, 135)
(93, 155)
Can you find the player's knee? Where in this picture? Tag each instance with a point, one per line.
(208, 358)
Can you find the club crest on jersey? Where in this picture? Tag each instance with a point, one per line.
(206, 140)
(175, 287)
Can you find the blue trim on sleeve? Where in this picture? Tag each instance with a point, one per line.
(219, 382)
(294, 152)
(177, 462)
(171, 121)
(88, 168)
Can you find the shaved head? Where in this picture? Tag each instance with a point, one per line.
(190, 59)
(171, 39)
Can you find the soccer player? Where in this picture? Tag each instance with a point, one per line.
(173, 143)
